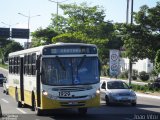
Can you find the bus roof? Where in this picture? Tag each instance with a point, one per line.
(40, 48)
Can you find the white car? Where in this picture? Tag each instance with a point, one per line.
(5, 86)
(116, 91)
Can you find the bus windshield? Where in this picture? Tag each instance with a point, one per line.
(70, 71)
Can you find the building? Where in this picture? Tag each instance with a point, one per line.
(140, 65)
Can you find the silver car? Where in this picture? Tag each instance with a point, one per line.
(116, 91)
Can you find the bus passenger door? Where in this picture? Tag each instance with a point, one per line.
(21, 79)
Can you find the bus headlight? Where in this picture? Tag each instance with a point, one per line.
(97, 92)
(45, 93)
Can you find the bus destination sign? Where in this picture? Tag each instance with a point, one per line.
(70, 50)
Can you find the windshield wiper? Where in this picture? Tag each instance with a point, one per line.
(58, 59)
(81, 62)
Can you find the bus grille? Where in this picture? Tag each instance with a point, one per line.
(74, 97)
(70, 104)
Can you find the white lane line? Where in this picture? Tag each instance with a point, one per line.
(4, 100)
(21, 110)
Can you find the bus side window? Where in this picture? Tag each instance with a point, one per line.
(29, 64)
(19, 65)
(9, 65)
(33, 64)
(25, 64)
(13, 67)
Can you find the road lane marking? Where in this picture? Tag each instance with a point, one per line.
(21, 110)
(4, 100)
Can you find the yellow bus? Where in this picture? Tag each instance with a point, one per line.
(61, 75)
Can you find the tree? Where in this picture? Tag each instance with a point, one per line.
(43, 36)
(3, 43)
(88, 20)
(59, 23)
(157, 62)
(141, 40)
(12, 47)
(137, 43)
(84, 24)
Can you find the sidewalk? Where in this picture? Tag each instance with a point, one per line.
(147, 96)
(3, 69)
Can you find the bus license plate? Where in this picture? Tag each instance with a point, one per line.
(64, 93)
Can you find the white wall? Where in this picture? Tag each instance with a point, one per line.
(140, 65)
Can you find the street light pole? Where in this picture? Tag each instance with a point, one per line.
(127, 11)
(57, 6)
(130, 59)
(28, 17)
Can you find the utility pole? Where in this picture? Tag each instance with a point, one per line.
(57, 8)
(130, 59)
(127, 11)
(28, 17)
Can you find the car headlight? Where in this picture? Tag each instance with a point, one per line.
(133, 94)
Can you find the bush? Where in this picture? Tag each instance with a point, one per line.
(135, 72)
(134, 77)
(144, 76)
(123, 74)
(105, 70)
(144, 88)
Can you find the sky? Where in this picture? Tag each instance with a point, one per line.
(115, 11)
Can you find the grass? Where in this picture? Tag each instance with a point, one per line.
(4, 66)
(144, 88)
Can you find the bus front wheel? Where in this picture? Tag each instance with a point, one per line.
(36, 109)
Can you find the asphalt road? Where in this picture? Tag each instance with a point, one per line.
(144, 109)
(147, 108)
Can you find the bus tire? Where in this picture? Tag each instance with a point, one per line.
(19, 104)
(82, 111)
(37, 110)
(7, 93)
(33, 102)
(107, 100)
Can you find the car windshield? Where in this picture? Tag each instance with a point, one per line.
(70, 71)
(117, 85)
